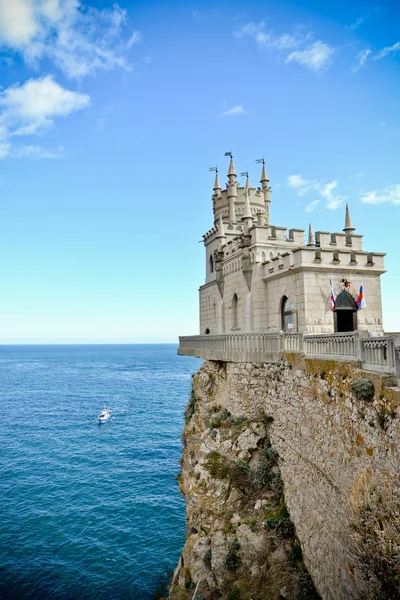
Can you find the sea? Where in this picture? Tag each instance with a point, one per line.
(89, 510)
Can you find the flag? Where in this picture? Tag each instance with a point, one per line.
(361, 300)
(332, 296)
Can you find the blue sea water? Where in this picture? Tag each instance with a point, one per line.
(90, 511)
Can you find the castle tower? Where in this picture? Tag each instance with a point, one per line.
(232, 193)
(266, 191)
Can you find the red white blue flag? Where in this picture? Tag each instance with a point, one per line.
(332, 297)
(361, 300)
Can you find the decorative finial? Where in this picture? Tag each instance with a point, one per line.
(348, 226)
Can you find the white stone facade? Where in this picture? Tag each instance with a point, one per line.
(252, 266)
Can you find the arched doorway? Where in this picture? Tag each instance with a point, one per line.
(345, 313)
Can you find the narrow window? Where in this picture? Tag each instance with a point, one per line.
(211, 264)
(286, 314)
(235, 311)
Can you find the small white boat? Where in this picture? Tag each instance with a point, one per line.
(105, 415)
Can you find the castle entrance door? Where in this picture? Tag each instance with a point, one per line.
(345, 313)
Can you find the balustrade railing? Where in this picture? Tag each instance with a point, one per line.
(336, 345)
(379, 354)
(376, 354)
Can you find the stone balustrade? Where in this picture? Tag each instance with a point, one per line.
(380, 354)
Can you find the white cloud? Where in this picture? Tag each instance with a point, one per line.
(316, 57)
(267, 40)
(390, 194)
(311, 205)
(79, 40)
(234, 111)
(388, 50)
(297, 47)
(359, 21)
(326, 190)
(362, 58)
(30, 109)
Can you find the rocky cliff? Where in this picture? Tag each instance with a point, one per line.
(273, 454)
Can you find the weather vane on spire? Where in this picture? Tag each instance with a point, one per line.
(260, 161)
(228, 154)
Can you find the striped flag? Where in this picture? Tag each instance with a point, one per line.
(332, 296)
(361, 300)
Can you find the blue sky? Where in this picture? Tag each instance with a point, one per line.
(111, 115)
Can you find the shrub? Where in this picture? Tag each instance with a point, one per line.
(189, 410)
(280, 522)
(234, 594)
(363, 389)
(240, 474)
(207, 558)
(232, 560)
(217, 465)
(375, 502)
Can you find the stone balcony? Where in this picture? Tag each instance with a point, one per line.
(380, 354)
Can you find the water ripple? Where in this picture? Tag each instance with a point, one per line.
(90, 511)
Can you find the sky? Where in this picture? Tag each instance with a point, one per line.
(112, 114)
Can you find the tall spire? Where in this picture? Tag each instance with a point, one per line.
(310, 236)
(231, 191)
(348, 226)
(247, 218)
(217, 186)
(264, 177)
(266, 190)
(247, 210)
(231, 171)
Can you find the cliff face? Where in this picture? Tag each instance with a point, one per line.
(272, 453)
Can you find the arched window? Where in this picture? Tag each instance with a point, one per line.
(211, 260)
(286, 314)
(235, 301)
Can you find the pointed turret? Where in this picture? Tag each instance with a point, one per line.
(217, 187)
(231, 171)
(231, 191)
(310, 236)
(247, 218)
(264, 177)
(348, 226)
(267, 192)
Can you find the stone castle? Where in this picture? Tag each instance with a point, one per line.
(263, 278)
(292, 431)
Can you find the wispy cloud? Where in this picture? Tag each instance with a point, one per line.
(390, 195)
(388, 50)
(234, 111)
(79, 39)
(311, 205)
(30, 109)
(328, 191)
(359, 21)
(298, 47)
(317, 57)
(362, 58)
